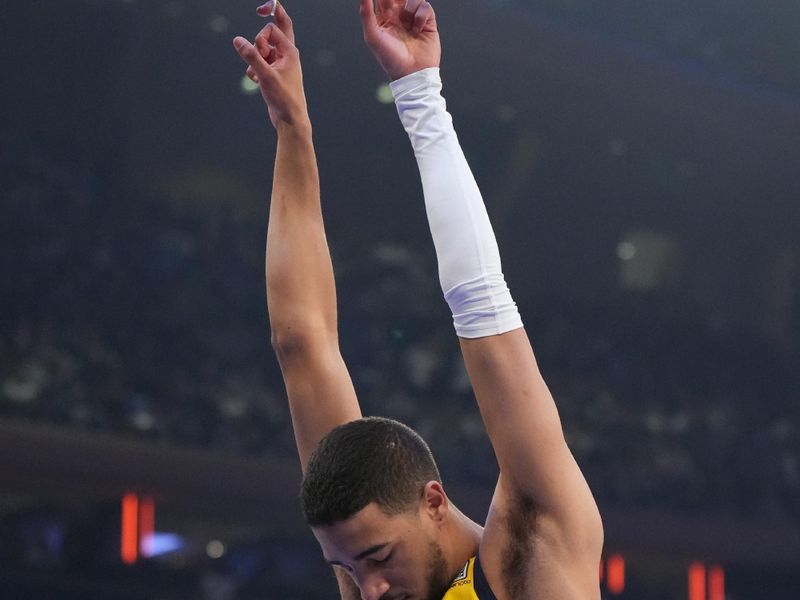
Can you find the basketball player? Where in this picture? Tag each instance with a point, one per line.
(371, 490)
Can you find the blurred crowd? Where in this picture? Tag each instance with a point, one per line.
(743, 40)
(144, 319)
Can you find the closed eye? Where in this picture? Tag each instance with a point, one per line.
(383, 560)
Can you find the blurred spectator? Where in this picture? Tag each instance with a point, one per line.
(147, 322)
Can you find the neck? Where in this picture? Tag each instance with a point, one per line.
(465, 538)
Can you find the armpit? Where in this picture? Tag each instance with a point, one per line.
(520, 522)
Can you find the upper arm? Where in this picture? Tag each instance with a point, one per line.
(318, 385)
(525, 431)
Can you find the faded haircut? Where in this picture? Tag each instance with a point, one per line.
(370, 460)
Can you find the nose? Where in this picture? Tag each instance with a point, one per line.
(373, 588)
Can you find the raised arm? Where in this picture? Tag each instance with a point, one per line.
(542, 503)
(301, 294)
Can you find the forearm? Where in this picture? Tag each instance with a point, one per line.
(300, 287)
(470, 272)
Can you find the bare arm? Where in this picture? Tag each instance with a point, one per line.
(347, 587)
(302, 299)
(526, 433)
(301, 294)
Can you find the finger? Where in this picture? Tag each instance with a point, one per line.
(385, 6)
(284, 21)
(268, 39)
(273, 35)
(252, 75)
(424, 18)
(262, 39)
(250, 54)
(410, 10)
(265, 49)
(275, 9)
(263, 46)
(268, 8)
(369, 22)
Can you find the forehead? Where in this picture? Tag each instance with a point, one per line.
(368, 527)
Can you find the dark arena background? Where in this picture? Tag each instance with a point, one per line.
(640, 160)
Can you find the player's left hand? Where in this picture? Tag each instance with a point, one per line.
(402, 35)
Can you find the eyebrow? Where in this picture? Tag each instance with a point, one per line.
(364, 554)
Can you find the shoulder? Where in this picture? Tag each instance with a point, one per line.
(526, 553)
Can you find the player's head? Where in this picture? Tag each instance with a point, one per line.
(370, 460)
(373, 497)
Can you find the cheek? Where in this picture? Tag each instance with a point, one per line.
(410, 573)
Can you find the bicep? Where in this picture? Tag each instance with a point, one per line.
(526, 433)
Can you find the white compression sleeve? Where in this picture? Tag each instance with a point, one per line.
(470, 272)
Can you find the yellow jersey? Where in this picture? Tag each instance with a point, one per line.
(470, 584)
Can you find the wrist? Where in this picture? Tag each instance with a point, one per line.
(396, 75)
(422, 80)
(405, 70)
(299, 127)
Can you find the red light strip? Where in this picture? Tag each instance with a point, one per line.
(129, 546)
(716, 583)
(615, 572)
(697, 581)
(147, 524)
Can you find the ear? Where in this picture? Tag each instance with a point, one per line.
(434, 502)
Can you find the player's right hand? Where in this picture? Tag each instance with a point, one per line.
(402, 35)
(274, 64)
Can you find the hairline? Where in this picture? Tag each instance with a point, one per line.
(387, 512)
